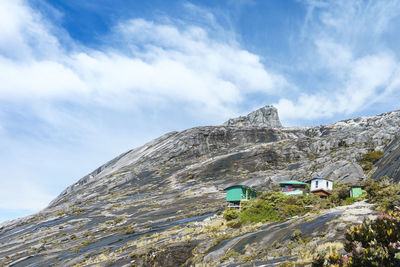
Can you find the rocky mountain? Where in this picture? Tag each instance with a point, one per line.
(160, 204)
(263, 117)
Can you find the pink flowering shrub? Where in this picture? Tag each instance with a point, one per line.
(372, 243)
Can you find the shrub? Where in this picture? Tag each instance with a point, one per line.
(319, 259)
(133, 255)
(274, 206)
(367, 166)
(290, 210)
(326, 204)
(231, 214)
(385, 195)
(373, 156)
(128, 230)
(310, 199)
(296, 236)
(340, 193)
(117, 220)
(230, 254)
(350, 200)
(368, 160)
(372, 243)
(258, 210)
(376, 241)
(234, 224)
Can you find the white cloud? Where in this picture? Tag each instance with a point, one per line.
(334, 55)
(24, 33)
(155, 61)
(148, 65)
(37, 79)
(60, 101)
(366, 80)
(359, 70)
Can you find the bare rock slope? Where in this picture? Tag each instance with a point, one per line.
(157, 199)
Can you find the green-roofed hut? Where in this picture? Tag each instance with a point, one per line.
(237, 193)
(292, 187)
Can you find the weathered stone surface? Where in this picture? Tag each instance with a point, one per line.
(274, 238)
(389, 165)
(342, 171)
(264, 117)
(156, 195)
(173, 255)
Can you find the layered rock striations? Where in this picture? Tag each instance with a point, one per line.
(389, 164)
(264, 117)
(149, 199)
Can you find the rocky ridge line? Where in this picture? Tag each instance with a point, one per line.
(163, 189)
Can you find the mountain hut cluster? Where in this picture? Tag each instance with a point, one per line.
(322, 187)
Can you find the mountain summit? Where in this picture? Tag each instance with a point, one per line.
(160, 204)
(266, 117)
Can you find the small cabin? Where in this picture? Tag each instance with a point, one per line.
(237, 193)
(320, 186)
(356, 191)
(320, 183)
(292, 187)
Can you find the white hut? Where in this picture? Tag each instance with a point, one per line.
(321, 183)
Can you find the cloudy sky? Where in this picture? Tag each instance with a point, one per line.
(83, 81)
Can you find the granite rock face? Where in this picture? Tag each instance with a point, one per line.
(264, 117)
(342, 171)
(389, 164)
(144, 206)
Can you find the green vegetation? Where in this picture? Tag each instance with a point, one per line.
(276, 206)
(77, 211)
(373, 156)
(127, 230)
(117, 220)
(383, 193)
(270, 207)
(115, 205)
(87, 242)
(230, 254)
(339, 194)
(368, 160)
(231, 214)
(372, 243)
(349, 200)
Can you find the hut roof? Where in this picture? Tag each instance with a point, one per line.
(240, 185)
(357, 185)
(292, 182)
(314, 178)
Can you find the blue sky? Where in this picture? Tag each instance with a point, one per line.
(83, 81)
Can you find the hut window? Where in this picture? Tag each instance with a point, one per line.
(316, 184)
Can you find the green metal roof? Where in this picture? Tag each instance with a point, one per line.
(296, 192)
(292, 182)
(240, 192)
(239, 185)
